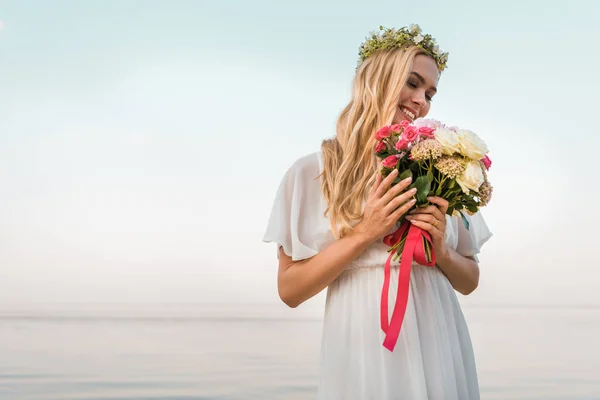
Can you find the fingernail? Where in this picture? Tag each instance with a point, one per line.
(395, 172)
(413, 190)
(409, 217)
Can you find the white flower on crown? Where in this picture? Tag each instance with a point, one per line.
(418, 39)
(414, 28)
(436, 50)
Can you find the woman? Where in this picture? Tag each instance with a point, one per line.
(329, 217)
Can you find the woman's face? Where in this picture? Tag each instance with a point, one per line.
(415, 97)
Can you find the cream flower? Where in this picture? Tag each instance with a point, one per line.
(472, 178)
(485, 193)
(448, 139)
(452, 167)
(414, 28)
(418, 39)
(471, 145)
(427, 149)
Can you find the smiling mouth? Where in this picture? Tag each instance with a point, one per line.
(408, 113)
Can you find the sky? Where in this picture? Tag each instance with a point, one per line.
(142, 142)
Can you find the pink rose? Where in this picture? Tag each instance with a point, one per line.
(383, 133)
(487, 162)
(402, 144)
(426, 131)
(396, 128)
(390, 162)
(404, 123)
(381, 146)
(410, 134)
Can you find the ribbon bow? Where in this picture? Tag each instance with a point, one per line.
(413, 249)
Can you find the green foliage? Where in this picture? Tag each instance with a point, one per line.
(389, 38)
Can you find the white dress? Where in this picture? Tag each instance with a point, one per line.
(433, 358)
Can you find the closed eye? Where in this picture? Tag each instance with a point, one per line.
(414, 85)
(422, 80)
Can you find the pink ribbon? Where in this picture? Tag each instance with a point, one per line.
(413, 249)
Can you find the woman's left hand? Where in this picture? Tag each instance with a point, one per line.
(432, 219)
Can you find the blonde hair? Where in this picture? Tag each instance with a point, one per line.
(349, 160)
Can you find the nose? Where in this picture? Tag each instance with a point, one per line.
(419, 99)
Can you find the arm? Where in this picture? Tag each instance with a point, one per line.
(462, 272)
(298, 281)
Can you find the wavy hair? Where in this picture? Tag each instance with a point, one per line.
(349, 160)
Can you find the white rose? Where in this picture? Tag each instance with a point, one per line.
(418, 39)
(472, 178)
(471, 145)
(448, 139)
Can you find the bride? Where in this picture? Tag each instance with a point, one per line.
(330, 213)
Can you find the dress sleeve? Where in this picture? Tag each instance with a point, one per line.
(472, 239)
(296, 213)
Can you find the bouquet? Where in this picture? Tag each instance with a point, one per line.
(447, 162)
(442, 161)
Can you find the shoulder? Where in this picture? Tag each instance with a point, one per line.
(308, 166)
(296, 220)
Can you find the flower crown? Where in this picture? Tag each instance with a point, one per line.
(390, 38)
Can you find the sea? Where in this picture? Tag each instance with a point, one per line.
(264, 352)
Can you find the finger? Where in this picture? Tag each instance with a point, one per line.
(428, 218)
(423, 225)
(378, 179)
(399, 200)
(396, 190)
(442, 203)
(437, 223)
(385, 184)
(424, 210)
(430, 210)
(402, 210)
(435, 233)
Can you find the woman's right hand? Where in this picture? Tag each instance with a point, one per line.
(385, 206)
